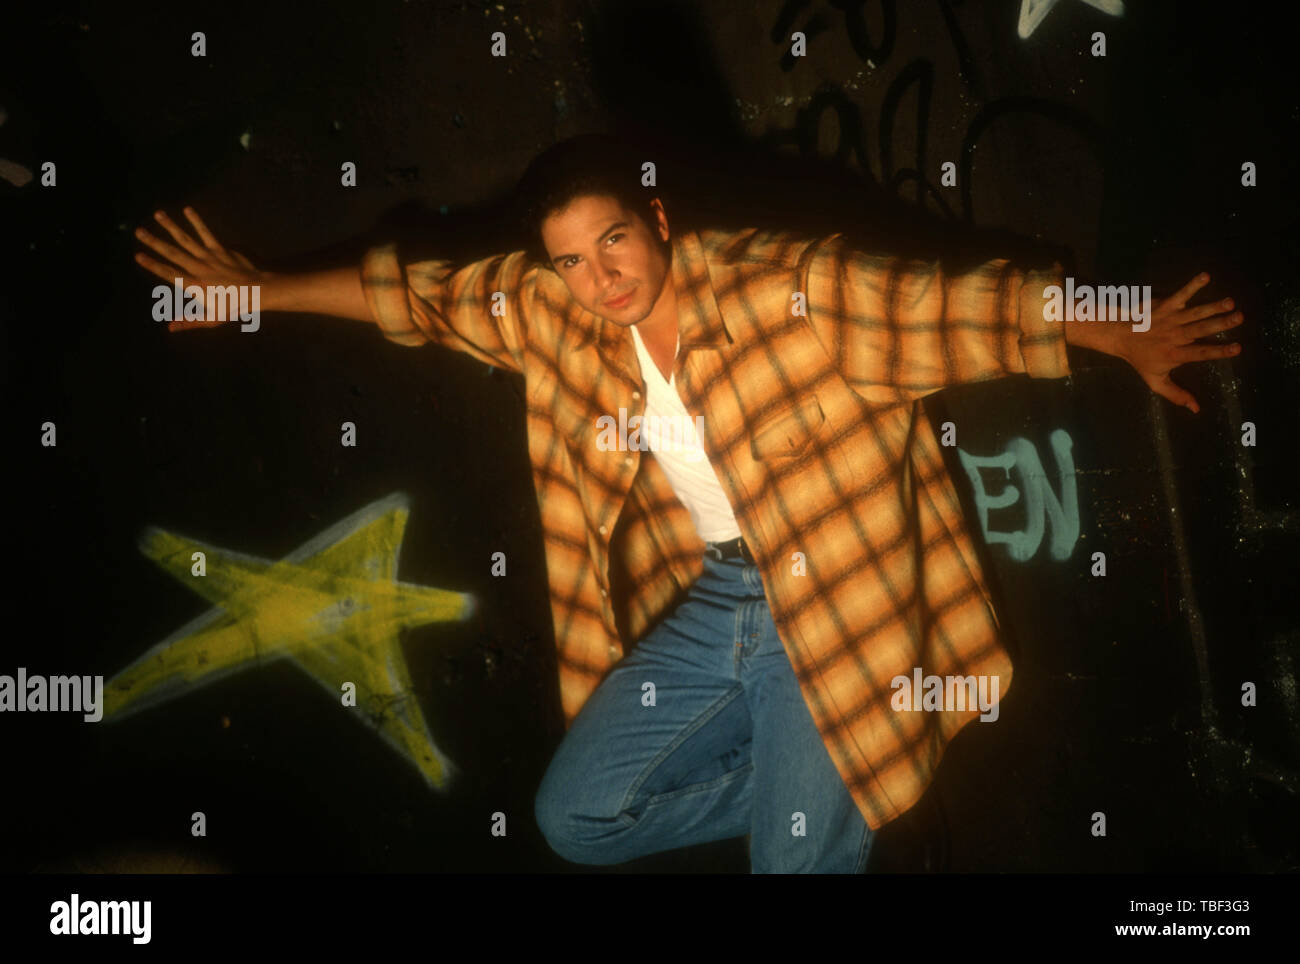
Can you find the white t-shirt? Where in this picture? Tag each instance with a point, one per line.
(673, 436)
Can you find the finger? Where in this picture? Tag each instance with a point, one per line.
(166, 272)
(1195, 353)
(181, 238)
(1184, 294)
(1189, 315)
(1166, 388)
(244, 262)
(1200, 329)
(208, 237)
(170, 251)
(185, 325)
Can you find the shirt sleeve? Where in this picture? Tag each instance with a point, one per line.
(898, 329)
(480, 307)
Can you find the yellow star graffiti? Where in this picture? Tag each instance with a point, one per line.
(334, 606)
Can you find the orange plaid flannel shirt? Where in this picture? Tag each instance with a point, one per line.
(813, 423)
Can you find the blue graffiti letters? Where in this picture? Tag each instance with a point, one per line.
(1039, 499)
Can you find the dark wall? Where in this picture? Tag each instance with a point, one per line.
(1126, 167)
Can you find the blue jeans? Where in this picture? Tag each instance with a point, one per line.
(728, 747)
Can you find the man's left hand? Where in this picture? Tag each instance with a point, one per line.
(1169, 342)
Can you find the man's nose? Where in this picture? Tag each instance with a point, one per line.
(606, 277)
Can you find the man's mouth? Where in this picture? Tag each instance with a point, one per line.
(620, 301)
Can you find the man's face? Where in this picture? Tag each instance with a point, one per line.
(603, 252)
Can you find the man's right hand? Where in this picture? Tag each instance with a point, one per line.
(206, 264)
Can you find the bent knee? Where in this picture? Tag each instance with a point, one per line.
(571, 834)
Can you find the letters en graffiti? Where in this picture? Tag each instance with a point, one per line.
(1032, 488)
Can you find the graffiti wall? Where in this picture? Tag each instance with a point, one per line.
(308, 565)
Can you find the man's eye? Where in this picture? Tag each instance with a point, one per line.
(612, 237)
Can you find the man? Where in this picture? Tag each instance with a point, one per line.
(798, 547)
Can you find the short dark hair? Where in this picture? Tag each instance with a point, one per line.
(597, 163)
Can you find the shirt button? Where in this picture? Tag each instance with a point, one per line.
(604, 592)
(613, 651)
(636, 395)
(628, 460)
(602, 530)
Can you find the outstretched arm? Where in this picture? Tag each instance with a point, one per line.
(206, 262)
(899, 329)
(478, 307)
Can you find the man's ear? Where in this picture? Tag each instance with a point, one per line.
(660, 223)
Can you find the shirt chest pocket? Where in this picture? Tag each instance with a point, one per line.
(788, 433)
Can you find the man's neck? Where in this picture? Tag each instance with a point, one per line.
(659, 328)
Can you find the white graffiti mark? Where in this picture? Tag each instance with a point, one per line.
(1032, 12)
(1040, 501)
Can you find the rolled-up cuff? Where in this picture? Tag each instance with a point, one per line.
(1042, 342)
(384, 285)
